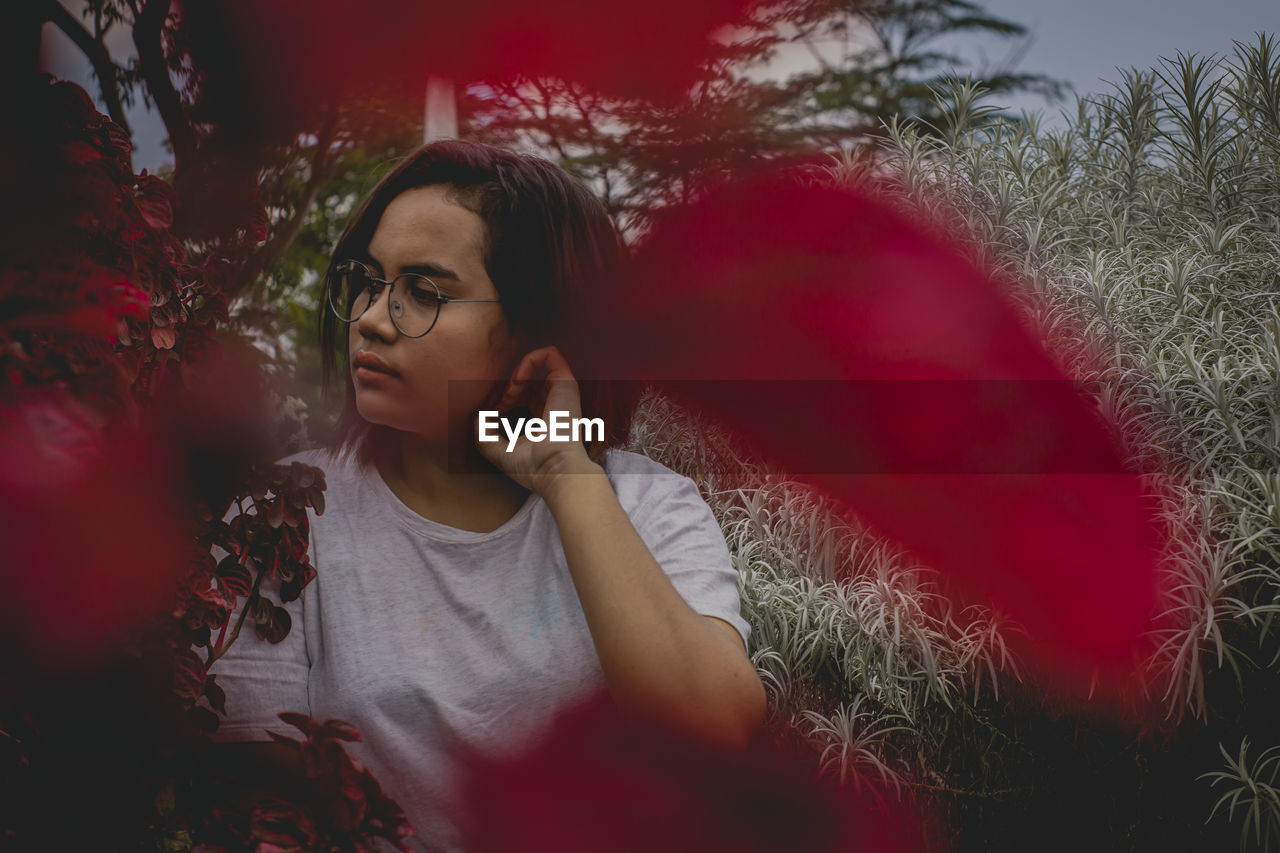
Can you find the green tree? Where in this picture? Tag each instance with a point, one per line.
(642, 155)
(283, 180)
(279, 311)
(299, 189)
(895, 57)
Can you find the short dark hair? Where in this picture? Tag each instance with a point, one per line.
(549, 247)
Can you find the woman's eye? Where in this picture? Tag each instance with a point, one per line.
(423, 293)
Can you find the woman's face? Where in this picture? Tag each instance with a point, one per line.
(423, 232)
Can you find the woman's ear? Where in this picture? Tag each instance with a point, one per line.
(508, 358)
(513, 349)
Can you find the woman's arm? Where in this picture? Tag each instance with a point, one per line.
(659, 656)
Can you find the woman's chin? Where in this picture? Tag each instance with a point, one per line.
(384, 416)
(423, 427)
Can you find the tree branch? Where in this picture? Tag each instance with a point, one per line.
(96, 52)
(147, 38)
(284, 235)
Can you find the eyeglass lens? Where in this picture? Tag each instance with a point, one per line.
(414, 299)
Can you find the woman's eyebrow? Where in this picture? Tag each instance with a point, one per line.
(427, 268)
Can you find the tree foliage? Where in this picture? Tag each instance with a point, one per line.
(894, 59)
(132, 447)
(642, 155)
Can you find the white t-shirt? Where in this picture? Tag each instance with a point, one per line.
(416, 632)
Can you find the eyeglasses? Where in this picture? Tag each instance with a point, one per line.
(414, 309)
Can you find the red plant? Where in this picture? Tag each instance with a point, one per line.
(127, 436)
(863, 353)
(598, 780)
(301, 54)
(92, 532)
(359, 801)
(347, 809)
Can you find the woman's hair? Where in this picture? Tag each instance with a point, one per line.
(549, 247)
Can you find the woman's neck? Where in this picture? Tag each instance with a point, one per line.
(420, 475)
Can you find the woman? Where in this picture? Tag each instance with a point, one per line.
(467, 590)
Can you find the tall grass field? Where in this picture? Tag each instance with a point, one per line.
(1143, 238)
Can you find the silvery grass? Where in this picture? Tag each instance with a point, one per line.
(1145, 238)
(1253, 789)
(1142, 242)
(854, 643)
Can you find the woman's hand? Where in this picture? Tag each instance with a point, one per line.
(543, 382)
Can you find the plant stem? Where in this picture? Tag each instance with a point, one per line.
(214, 654)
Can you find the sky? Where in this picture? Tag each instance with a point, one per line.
(1079, 41)
(1083, 41)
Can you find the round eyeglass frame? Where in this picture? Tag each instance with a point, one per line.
(440, 298)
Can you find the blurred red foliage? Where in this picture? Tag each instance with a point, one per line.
(127, 432)
(93, 532)
(863, 352)
(302, 53)
(598, 780)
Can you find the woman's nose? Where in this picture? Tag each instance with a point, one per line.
(376, 319)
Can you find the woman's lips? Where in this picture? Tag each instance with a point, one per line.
(364, 374)
(367, 365)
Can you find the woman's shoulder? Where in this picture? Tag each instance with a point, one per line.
(336, 468)
(639, 480)
(313, 456)
(618, 461)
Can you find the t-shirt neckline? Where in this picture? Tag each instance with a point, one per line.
(436, 530)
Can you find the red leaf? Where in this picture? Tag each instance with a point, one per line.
(261, 611)
(188, 675)
(302, 574)
(163, 337)
(306, 475)
(258, 225)
(118, 141)
(216, 695)
(281, 739)
(95, 534)
(596, 780)
(235, 578)
(337, 730)
(155, 200)
(275, 45)
(275, 512)
(278, 628)
(81, 152)
(299, 721)
(900, 378)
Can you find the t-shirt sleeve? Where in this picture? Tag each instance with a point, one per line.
(262, 679)
(683, 535)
